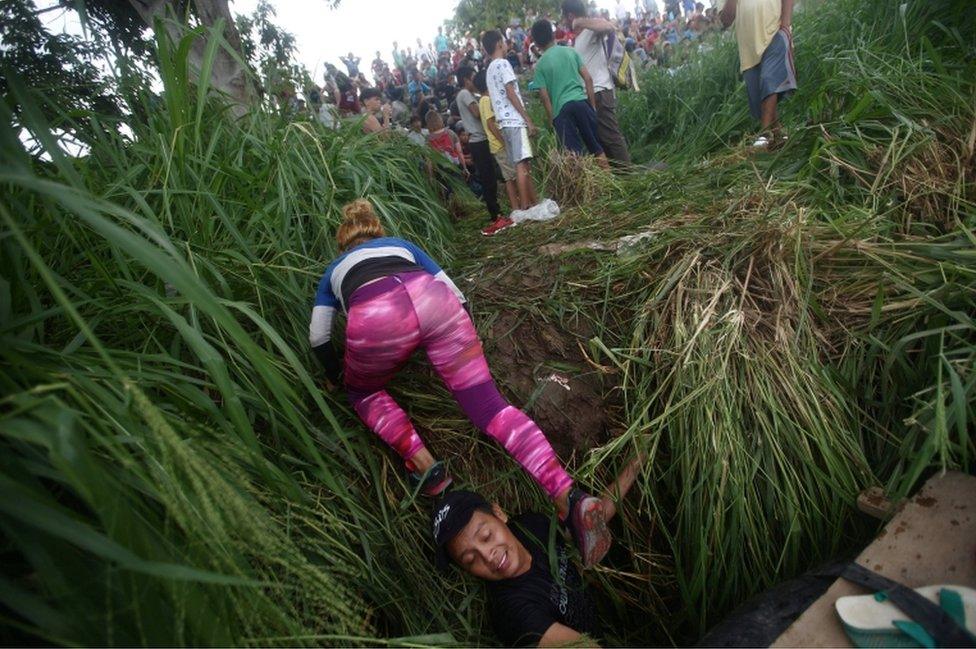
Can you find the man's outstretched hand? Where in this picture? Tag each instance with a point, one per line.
(625, 480)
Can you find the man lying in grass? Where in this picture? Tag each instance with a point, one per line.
(537, 597)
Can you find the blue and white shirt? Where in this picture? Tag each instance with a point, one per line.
(371, 260)
(499, 75)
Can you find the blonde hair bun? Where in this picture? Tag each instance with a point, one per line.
(359, 223)
(358, 209)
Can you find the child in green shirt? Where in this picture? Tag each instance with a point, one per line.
(567, 93)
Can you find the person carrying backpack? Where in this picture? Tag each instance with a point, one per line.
(591, 34)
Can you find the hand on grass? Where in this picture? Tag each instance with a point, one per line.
(533, 130)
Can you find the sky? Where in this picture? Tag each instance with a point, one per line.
(323, 34)
(360, 26)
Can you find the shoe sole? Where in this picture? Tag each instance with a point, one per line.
(591, 523)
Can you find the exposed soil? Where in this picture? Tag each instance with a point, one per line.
(539, 364)
(543, 370)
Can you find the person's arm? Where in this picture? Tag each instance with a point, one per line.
(786, 15)
(473, 107)
(320, 329)
(727, 15)
(618, 490)
(600, 26)
(546, 102)
(493, 127)
(519, 108)
(559, 635)
(588, 83)
(460, 152)
(371, 124)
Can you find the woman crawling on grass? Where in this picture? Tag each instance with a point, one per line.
(398, 299)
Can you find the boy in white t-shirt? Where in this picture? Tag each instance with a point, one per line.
(510, 115)
(495, 139)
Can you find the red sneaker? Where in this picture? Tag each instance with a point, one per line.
(588, 523)
(496, 226)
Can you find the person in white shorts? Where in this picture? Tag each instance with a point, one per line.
(495, 138)
(510, 115)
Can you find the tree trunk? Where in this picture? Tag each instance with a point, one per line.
(226, 74)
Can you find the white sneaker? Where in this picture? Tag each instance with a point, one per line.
(762, 142)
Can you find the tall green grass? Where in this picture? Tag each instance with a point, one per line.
(795, 327)
(806, 326)
(173, 472)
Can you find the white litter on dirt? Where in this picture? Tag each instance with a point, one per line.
(559, 380)
(544, 211)
(621, 246)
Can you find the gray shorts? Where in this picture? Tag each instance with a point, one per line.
(775, 74)
(517, 143)
(508, 171)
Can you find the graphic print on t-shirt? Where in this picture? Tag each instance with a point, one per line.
(523, 608)
(500, 74)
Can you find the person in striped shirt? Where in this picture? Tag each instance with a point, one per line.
(398, 299)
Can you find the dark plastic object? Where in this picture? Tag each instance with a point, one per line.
(762, 619)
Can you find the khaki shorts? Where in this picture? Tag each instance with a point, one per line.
(508, 171)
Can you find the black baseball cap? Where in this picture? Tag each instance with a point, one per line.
(450, 516)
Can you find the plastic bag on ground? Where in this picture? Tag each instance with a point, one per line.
(544, 211)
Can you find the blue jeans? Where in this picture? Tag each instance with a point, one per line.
(576, 126)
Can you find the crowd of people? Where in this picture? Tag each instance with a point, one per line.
(464, 100)
(445, 95)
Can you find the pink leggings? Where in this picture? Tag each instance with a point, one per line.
(387, 321)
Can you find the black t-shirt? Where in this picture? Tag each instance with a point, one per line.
(523, 608)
